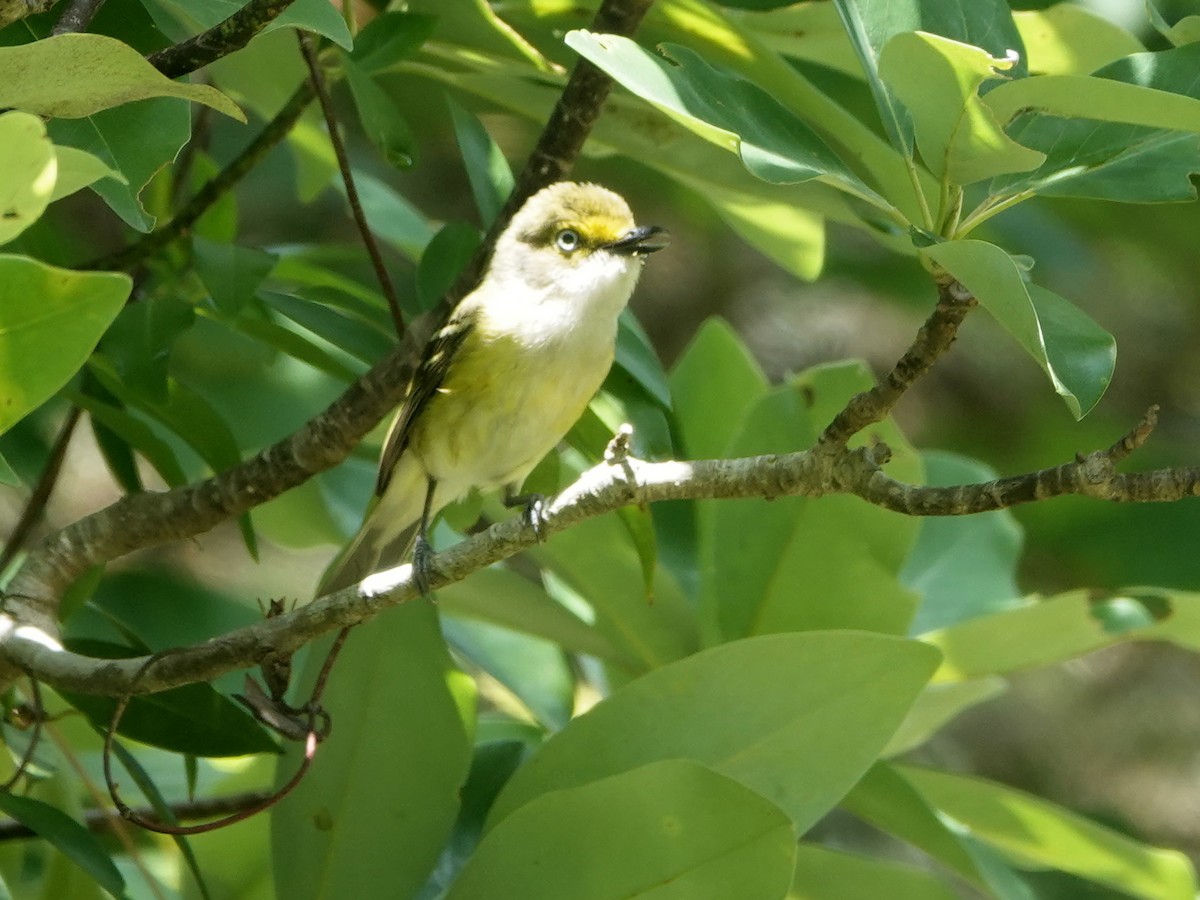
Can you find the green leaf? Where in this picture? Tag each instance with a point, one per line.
(1066, 39)
(505, 598)
(140, 341)
(77, 169)
(794, 563)
(534, 670)
(28, 175)
(722, 108)
(75, 75)
(487, 170)
(231, 273)
(136, 434)
(50, 321)
(796, 717)
(637, 356)
(788, 234)
(319, 16)
(1103, 98)
(1034, 832)
(348, 333)
(669, 829)
(390, 779)
(72, 839)
(391, 216)
(713, 385)
(391, 37)
(136, 140)
(938, 82)
(937, 705)
(443, 259)
(193, 719)
(1075, 353)
(163, 809)
(380, 118)
(1116, 161)
(871, 24)
(963, 566)
(822, 873)
(885, 798)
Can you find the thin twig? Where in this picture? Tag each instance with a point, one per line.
(312, 739)
(224, 38)
(343, 161)
(933, 339)
(219, 185)
(77, 16)
(35, 506)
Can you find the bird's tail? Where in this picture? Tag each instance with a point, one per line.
(386, 536)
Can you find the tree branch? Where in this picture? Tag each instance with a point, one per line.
(77, 16)
(617, 482)
(222, 39)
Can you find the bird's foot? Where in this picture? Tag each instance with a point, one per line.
(534, 512)
(422, 564)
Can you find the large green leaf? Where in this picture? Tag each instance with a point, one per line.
(722, 108)
(75, 75)
(371, 816)
(488, 171)
(938, 81)
(1075, 353)
(77, 169)
(1033, 832)
(28, 175)
(72, 839)
(795, 563)
(796, 717)
(50, 321)
(668, 829)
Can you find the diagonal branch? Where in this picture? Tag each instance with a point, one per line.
(224, 38)
(933, 339)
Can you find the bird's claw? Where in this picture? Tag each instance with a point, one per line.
(535, 514)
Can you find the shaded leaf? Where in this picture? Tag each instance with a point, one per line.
(822, 873)
(488, 171)
(443, 259)
(391, 778)
(380, 118)
(72, 839)
(390, 38)
(670, 828)
(231, 273)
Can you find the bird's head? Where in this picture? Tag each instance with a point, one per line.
(576, 238)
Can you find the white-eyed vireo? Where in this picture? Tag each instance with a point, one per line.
(508, 375)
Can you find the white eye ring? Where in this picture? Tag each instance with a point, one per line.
(567, 240)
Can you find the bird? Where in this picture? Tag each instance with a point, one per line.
(513, 368)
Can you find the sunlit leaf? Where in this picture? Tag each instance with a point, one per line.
(28, 175)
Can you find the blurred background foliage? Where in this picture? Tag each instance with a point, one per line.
(1114, 734)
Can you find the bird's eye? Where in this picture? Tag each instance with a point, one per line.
(567, 240)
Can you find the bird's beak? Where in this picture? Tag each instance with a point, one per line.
(639, 241)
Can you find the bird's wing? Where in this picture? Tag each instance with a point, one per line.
(435, 363)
